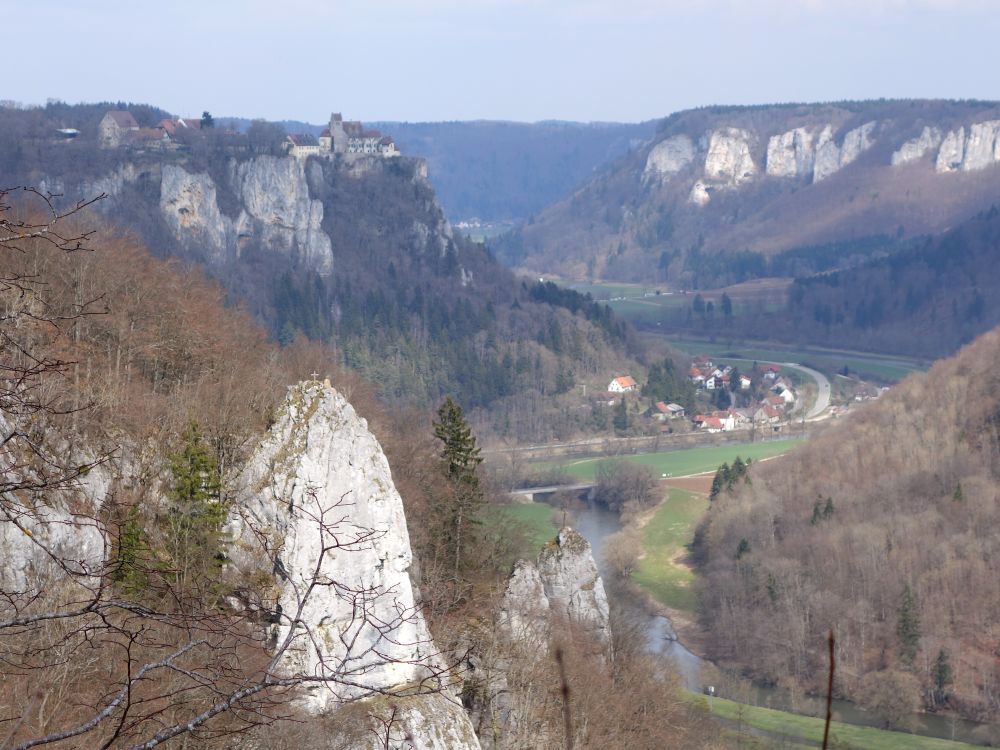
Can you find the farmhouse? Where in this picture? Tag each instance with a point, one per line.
(622, 384)
(113, 127)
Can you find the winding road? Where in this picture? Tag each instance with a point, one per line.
(822, 382)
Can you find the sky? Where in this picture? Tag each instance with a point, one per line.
(525, 60)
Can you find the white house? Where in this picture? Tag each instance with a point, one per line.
(622, 384)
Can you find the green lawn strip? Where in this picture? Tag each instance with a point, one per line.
(669, 532)
(680, 462)
(811, 729)
(536, 517)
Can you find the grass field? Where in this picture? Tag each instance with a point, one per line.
(679, 462)
(665, 538)
(810, 729)
(536, 517)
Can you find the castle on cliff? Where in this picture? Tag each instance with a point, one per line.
(342, 137)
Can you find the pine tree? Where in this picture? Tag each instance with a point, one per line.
(943, 676)
(195, 513)
(461, 459)
(129, 574)
(621, 420)
(908, 626)
(828, 509)
(958, 496)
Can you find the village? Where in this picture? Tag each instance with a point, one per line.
(764, 397)
(348, 138)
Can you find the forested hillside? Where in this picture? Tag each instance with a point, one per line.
(882, 529)
(132, 401)
(352, 252)
(763, 180)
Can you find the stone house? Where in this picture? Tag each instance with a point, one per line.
(113, 127)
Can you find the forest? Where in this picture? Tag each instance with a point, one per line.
(416, 310)
(881, 530)
(133, 367)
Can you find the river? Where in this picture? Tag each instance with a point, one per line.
(596, 523)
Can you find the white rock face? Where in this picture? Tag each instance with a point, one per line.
(62, 522)
(981, 147)
(668, 157)
(856, 142)
(831, 158)
(790, 154)
(565, 582)
(915, 148)
(827, 160)
(728, 160)
(276, 203)
(321, 476)
(189, 205)
(277, 211)
(949, 158)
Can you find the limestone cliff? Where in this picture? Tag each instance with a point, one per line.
(767, 180)
(669, 157)
(275, 210)
(319, 492)
(563, 583)
(914, 149)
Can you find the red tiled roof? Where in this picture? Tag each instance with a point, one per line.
(661, 407)
(626, 381)
(325, 133)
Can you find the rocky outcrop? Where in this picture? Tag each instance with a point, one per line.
(668, 157)
(319, 494)
(856, 142)
(790, 154)
(275, 210)
(563, 583)
(728, 160)
(969, 153)
(831, 158)
(190, 207)
(949, 158)
(915, 148)
(981, 148)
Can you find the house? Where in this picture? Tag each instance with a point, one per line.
(113, 127)
(302, 145)
(770, 372)
(787, 395)
(622, 384)
(702, 360)
(675, 410)
(767, 415)
(774, 401)
(175, 127)
(712, 424)
(745, 382)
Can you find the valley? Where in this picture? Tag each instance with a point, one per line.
(653, 423)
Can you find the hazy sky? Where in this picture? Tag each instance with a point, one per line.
(415, 60)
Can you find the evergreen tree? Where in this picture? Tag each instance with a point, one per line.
(828, 509)
(129, 574)
(958, 495)
(908, 626)
(718, 483)
(742, 548)
(943, 676)
(461, 460)
(195, 513)
(207, 121)
(621, 419)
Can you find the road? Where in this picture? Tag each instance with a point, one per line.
(822, 382)
(822, 389)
